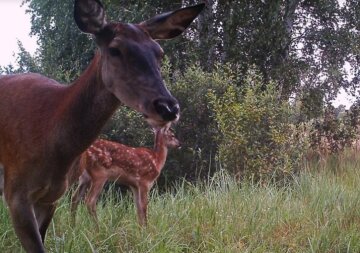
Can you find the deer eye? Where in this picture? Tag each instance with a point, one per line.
(114, 52)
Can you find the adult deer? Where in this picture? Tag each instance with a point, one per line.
(137, 168)
(44, 126)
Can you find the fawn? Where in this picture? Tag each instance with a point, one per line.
(137, 168)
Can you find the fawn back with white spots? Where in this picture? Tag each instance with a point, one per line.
(137, 168)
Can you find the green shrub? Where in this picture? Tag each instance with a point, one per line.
(258, 139)
(197, 127)
(128, 127)
(336, 130)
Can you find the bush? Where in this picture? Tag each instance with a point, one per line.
(197, 127)
(128, 127)
(258, 139)
(335, 130)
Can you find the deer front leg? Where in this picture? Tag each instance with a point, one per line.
(44, 214)
(24, 221)
(141, 202)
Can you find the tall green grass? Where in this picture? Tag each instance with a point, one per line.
(319, 211)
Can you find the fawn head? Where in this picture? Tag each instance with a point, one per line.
(167, 136)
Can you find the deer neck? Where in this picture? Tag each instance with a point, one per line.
(85, 108)
(160, 151)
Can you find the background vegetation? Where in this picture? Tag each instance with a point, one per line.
(254, 79)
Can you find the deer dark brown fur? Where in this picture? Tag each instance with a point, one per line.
(137, 168)
(44, 125)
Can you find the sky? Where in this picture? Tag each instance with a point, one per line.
(15, 25)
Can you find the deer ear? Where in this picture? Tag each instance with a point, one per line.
(171, 24)
(89, 16)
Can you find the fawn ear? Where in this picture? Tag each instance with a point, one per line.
(89, 16)
(167, 127)
(171, 24)
(156, 129)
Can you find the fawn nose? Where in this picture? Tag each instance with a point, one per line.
(168, 109)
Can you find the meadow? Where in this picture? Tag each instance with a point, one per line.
(317, 211)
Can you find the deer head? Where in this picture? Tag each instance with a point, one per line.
(131, 57)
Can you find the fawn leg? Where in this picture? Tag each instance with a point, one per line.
(84, 184)
(93, 196)
(141, 202)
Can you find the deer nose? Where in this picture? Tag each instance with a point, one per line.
(168, 109)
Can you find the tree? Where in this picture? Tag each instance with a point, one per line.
(301, 45)
(298, 44)
(64, 51)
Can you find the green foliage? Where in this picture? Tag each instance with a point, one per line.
(26, 63)
(335, 131)
(295, 43)
(312, 103)
(64, 51)
(298, 44)
(128, 126)
(258, 138)
(197, 129)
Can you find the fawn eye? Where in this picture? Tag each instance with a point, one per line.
(114, 52)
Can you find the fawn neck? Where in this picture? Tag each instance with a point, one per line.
(160, 150)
